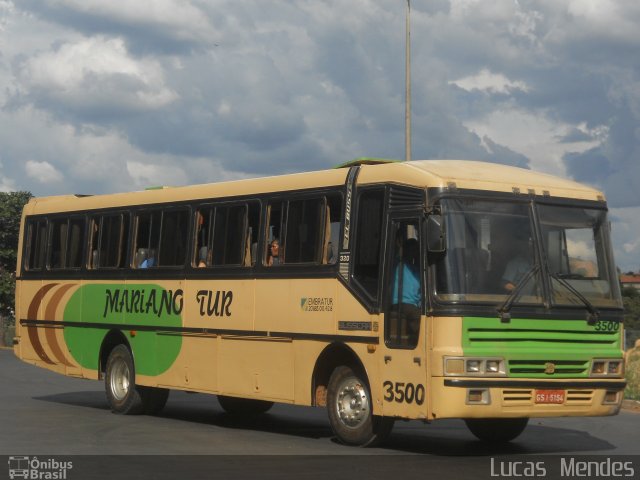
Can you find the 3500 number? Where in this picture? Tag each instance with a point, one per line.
(607, 326)
(403, 392)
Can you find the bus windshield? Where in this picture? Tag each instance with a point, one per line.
(491, 254)
(575, 241)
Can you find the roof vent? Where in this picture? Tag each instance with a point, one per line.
(366, 161)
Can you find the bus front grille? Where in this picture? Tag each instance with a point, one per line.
(536, 338)
(522, 396)
(548, 367)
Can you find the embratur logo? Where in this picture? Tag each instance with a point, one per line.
(316, 304)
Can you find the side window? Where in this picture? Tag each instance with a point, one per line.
(366, 267)
(147, 239)
(173, 238)
(333, 220)
(275, 219)
(75, 243)
(204, 225)
(58, 250)
(305, 232)
(36, 244)
(67, 242)
(109, 234)
(226, 235)
(253, 229)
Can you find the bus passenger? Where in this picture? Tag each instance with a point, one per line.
(150, 261)
(202, 257)
(273, 255)
(518, 265)
(406, 298)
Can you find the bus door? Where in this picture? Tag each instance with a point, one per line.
(403, 368)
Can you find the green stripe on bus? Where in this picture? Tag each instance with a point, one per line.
(529, 344)
(143, 304)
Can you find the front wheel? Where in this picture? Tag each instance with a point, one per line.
(496, 430)
(350, 410)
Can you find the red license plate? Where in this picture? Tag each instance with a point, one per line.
(550, 396)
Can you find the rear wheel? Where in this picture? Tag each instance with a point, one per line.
(350, 410)
(244, 406)
(123, 395)
(497, 430)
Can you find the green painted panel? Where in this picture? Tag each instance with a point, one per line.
(138, 305)
(527, 344)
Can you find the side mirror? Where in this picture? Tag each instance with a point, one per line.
(435, 234)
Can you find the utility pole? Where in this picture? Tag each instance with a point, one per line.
(407, 114)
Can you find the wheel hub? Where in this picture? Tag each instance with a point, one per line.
(352, 403)
(120, 380)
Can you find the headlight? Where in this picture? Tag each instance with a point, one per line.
(607, 367)
(598, 368)
(493, 366)
(474, 366)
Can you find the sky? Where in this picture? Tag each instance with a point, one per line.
(108, 96)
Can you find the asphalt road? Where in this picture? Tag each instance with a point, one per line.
(46, 414)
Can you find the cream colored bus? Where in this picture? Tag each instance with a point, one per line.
(420, 290)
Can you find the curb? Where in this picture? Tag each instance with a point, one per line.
(631, 405)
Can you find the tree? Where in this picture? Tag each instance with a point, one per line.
(11, 205)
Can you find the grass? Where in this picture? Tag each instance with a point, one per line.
(632, 392)
(6, 336)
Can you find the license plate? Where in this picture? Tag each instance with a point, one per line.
(550, 396)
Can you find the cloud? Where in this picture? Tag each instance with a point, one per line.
(6, 184)
(147, 175)
(94, 77)
(613, 164)
(42, 172)
(490, 82)
(173, 26)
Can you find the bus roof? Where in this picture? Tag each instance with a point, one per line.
(460, 174)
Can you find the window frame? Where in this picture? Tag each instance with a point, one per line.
(51, 221)
(31, 223)
(285, 200)
(213, 208)
(124, 234)
(375, 301)
(153, 209)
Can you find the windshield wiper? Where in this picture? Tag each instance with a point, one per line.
(504, 309)
(594, 314)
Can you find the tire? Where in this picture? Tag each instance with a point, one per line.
(244, 406)
(123, 395)
(350, 411)
(496, 430)
(120, 377)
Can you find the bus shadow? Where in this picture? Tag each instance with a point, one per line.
(204, 409)
(89, 399)
(443, 438)
(453, 439)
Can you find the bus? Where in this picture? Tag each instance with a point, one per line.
(379, 290)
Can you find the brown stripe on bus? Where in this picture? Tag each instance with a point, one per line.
(50, 312)
(32, 314)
